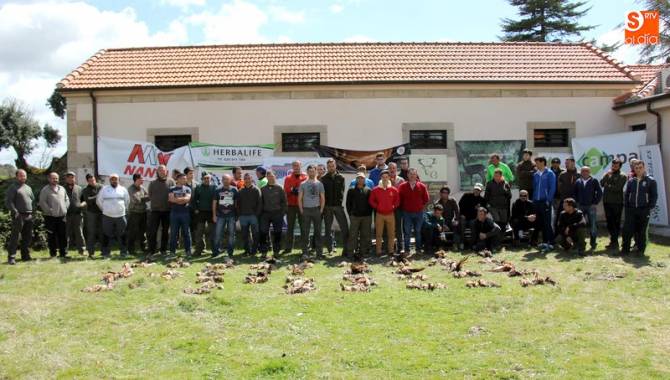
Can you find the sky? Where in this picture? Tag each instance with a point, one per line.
(41, 41)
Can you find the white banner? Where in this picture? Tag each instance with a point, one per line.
(230, 156)
(282, 166)
(651, 155)
(127, 157)
(597, 152)
(431, 168)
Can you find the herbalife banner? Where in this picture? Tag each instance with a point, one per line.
(127, 157)
(228, 156)
(597, 152)
(349, 160)
(651, 155)
(283, 166)
(473, 158)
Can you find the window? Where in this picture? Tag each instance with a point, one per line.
(428, 139)
(551, 138)
(300, 142)
(638, 127)
(167, 143)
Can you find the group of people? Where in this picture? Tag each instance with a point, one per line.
(558, 204)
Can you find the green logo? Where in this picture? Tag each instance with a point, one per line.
(205, 152)
(594, 158)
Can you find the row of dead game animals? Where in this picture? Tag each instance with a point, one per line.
(356, 277)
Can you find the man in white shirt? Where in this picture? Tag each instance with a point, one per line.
(113, 200)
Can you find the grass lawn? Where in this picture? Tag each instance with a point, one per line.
(606, 318)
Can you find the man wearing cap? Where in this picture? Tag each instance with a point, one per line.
(368, 181)
(524, 172)
(137, 214)
(292, 188)
(54, 202)
(261, 179)
(160, 209)
(469, 205)
(180, 214)
(360, 214)
(113, 200)
(333, 185)
(19, 200)
(544, 189)
(201, 202)
(273, 198)
(413, 198)
(93, 218)
(495, 163)
(588, 195)
(73, 221)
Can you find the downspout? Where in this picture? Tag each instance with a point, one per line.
(658, 123)
(94, 105)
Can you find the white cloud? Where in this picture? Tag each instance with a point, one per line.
(628, 54)
(336, 8)
(359, 38)
(236, 22)
(285, 39)
(282, 14)
(42, 41)
(184, 4)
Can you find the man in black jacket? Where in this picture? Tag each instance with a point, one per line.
(498, 195)
(613, 183)
(571, 227)
(274, 209)
(486, 233)
(333, 185)
(468, 206)
(360, 213)
(523, 216)
(640, 198)
(93, 219)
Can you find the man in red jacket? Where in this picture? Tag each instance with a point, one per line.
(292, 189)
(385, 200)
(413, 198)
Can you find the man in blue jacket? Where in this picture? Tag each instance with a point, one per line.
(641, 196)
(544, 189)
(588, 194)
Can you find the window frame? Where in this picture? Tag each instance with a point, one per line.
(301, 149)
(443, 132)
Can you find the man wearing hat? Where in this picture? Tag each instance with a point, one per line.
(73, 221)
(260, 175)
(113, 200)
(93, 218)
(524, 172)
(137, 214)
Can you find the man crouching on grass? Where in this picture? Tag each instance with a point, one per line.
(571, 227)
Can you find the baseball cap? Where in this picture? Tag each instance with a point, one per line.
(555, 160)
(479, 186)
(360, 175)
(70, 174)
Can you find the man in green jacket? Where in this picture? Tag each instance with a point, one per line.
(613, 183)
(201, 203)
(495, 163)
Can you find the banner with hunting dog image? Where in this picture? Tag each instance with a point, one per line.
(473, 158)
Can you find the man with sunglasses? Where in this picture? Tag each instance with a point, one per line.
(523, 217)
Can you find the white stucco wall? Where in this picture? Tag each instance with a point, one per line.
(364, 124)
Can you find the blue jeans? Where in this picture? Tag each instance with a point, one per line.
(543, 220)
(227, 222)
(412, 220)
(590, 212)
(180, 221)
(249, 223)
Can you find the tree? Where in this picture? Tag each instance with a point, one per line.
(545, 21)
(20, 130)
(57, 103)
(661, 51)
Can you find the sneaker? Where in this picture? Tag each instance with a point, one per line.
(11, 261)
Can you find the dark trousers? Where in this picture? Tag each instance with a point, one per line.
(360, 232)
(74, 232)
(137, 228)
(276, 219)
(56, 235)
(156, 219)
(336, 212)
(204, 231)
(432, 240)
(543, 212)
(613, 212)
(578, 237)
(490, 243)
(311, 217)
(292, 214)
(93, 231)
(114, 229)
(635, 225)
(249, 230)
(22, 225)
(519, 225)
